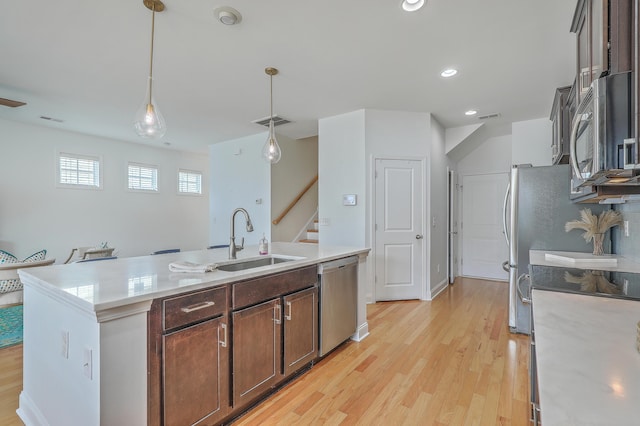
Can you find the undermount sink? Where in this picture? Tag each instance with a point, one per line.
(241, 265)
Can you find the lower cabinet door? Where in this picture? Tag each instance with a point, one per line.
(300, 312)
(257, 352)
(196, 374)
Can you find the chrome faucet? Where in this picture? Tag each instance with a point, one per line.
(233, 248)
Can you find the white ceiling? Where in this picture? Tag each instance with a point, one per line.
(86, 63)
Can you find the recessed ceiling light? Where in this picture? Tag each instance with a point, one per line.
(412, 5)
(227, 15)
(449, 72)
(471, 112)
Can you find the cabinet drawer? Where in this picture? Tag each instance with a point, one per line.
(260, 289)
(194, 307)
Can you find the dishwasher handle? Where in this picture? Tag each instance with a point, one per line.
(333, 265)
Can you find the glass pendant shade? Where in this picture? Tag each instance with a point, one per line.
(271, 150)
(149, 122)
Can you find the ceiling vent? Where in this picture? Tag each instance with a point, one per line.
(11, 103)
(488, 116)
(277, 121)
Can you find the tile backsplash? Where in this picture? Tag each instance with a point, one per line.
(628, 246)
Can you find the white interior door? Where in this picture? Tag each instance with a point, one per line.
(453, 225)
(398, 221)
(483, 243)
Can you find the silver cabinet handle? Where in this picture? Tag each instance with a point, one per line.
(278, 317)
(419, 237)
(505, 265)
(223, 343)
(288, 317)
(197, 306)
(524, 299)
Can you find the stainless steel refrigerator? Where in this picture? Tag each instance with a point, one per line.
(536, 207)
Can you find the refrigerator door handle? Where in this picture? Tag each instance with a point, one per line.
(504, 216)
(505, 265)
(524, 299)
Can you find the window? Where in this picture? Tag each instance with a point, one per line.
(143, 177)
(189, 182)
(79, 171)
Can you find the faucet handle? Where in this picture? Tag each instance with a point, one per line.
(241, 246)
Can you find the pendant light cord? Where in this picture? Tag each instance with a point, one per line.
(271, 97)
(153, 25)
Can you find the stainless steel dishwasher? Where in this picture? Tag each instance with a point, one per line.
(338, 302)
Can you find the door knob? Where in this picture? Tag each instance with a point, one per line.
(419, 237)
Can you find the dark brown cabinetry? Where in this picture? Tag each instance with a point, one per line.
(213, 352)
(300, 329)
(275, 337)
(603, 40)
(189, 359)
(195, 373)
(560, 123)
(257, 336)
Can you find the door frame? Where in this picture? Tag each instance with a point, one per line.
(425, 293)
(452, 199)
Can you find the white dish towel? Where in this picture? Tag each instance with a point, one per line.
(185, 266)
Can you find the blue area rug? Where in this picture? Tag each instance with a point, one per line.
(10, 326)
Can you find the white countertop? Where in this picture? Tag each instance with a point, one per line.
(588, 365)
(111, 284)
(623, 264)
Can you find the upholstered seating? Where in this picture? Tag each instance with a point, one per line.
(10, 285)
(84, 253)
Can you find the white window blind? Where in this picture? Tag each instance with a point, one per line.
(189, 182)
(143, 177)
(77, 170)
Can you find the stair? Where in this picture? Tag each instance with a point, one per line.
(312, 234)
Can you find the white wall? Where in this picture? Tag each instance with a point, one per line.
(348, 146)
(239, 177)
(35, 214)
(493, 156)
(438, 188)
(342, 170)
(298, 166)
(531, 142)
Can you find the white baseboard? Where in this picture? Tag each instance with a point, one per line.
(439, 288)
(29, 413)
(361, 332)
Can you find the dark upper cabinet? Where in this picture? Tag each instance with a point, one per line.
(603, 40)
(560, 123)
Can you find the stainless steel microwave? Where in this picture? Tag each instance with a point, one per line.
(602, 149)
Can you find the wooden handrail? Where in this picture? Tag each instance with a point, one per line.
(295, 201)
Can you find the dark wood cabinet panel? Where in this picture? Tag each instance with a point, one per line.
(195, 374)
(250, 292)
(300, 329)
(257, 353)
(603, 31)
(194, 307)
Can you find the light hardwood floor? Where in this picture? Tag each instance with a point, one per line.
(447, 362)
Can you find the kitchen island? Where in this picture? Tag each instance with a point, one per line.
(584, 360)
(588, 367)
(86, 327)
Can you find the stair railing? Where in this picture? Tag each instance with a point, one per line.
(295, 201)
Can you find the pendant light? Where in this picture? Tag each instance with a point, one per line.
(149, 122)
(271, 150)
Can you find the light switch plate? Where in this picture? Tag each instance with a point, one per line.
(349, 200)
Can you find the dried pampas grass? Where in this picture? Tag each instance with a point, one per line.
(592, 224)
